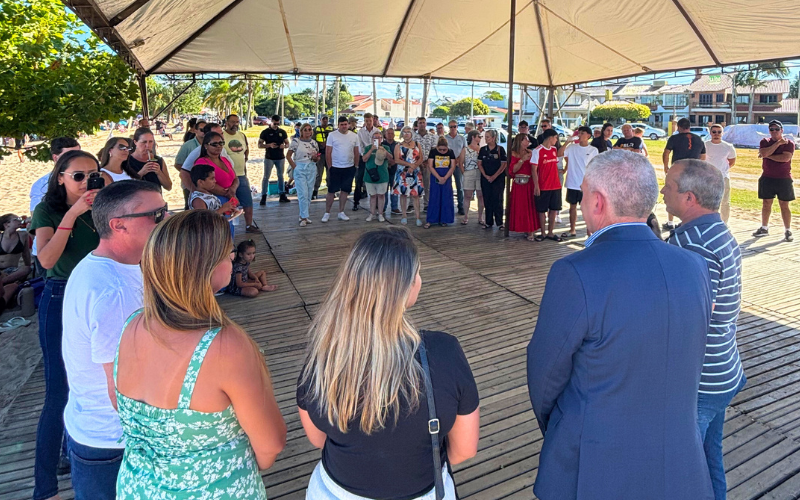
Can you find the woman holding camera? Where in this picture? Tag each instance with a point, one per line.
(145, 163)
(65, 234)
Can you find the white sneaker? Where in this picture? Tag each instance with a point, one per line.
(558, 219)
(326, 217)
(343, 216)
(369, 218)
(381, 218)
(302, 223)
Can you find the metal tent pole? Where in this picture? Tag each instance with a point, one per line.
(425, 98)
(324, 93)
(374, 98)
(472, 102)
(406, 106)
(336, 106)
(316, 102)
(551, 94)
(512, 34)
(143, 91)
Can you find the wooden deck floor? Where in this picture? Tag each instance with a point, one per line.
(492, 310)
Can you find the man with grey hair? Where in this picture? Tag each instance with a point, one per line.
(693, 191)
(103, 290)
(612, 373)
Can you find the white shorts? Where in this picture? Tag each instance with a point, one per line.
(374, 188)
(322, 487)
(472, 180)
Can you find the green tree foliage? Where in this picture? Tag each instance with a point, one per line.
(398, 93)
(345, 97)
(161, 90)
(621, 110)
(793, 89)
(494, 95)
(756, 77)
(462, 107)
(295, 106)
(55, 81)
(441, 112)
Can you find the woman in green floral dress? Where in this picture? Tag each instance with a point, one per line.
(194, 396)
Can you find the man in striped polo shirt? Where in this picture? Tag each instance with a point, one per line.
(692, 192)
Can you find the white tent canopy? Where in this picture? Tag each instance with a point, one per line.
(558, 42)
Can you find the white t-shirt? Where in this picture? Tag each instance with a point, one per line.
(342, 148)
(192, 157)
(99, 297)
(303, 151)
(577, 159)
(718, 155)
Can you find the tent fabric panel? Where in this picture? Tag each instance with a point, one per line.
(739, 30)
(111, 8)
(165, 24)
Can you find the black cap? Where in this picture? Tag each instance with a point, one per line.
(549, 133)
(776, 122)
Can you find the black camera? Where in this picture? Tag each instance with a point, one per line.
(95, 181)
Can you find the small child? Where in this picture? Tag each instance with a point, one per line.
(243, 280)
(204, 178)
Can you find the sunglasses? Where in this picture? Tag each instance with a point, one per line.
(453, 126)
(774, 129)
(157, 215)
(78, 176)
(216, 144)
(716, 131)
(123, 147)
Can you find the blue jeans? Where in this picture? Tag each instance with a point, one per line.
(305, 174)
(268, 164)
(711, 418)
(224, 200)
(94, 471)
(459, 176)
(50, 431)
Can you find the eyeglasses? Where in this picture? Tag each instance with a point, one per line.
(78, 176)
(774, 129)
(216, 144)
(157, 215)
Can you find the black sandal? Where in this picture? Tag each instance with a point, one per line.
(555, 238)
(538, 237)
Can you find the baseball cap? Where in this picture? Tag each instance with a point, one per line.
(776, 122)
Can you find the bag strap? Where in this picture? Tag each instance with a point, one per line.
(433, 422)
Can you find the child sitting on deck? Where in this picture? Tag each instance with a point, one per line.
(243, 280)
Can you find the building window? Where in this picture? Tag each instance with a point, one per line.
(706, 99)
(767, 98)
(692, 119)
(720, 97)
(719, 118)
(674, 101)
(742, 99)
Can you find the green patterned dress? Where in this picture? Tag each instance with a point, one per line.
(184, 454)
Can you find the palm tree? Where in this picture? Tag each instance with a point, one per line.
(757, 77)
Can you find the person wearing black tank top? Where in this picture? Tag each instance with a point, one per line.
(13, 248)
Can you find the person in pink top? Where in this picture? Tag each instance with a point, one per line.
(227, 181)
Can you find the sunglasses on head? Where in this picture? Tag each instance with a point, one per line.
(216, 144)
(78, 176)
(157, 215)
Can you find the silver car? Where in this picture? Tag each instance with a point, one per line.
(650, 131)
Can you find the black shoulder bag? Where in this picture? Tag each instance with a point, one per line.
(433, 422)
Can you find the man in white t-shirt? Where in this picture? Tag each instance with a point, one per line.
(722, 155)
(58, 147)
(576, 157)
(341, 153)
(105, 288)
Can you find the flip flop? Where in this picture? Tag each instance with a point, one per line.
(555, 238)
(12, 323)
(565, 236)
(426, 226)
(538, 237)
(465, 222)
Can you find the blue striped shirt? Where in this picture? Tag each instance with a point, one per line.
(710, 238)
(597, 233)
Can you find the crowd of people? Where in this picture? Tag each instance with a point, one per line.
(152, 391)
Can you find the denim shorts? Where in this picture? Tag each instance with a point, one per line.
(243, 193)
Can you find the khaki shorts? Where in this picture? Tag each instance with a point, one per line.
(375, 188)
(472, 180)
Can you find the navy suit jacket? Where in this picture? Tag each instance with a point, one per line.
(614, 369)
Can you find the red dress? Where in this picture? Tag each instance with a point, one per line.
(522, 217)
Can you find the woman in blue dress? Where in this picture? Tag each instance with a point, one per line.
(441, 165)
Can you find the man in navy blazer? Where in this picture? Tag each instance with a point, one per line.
(614, 363)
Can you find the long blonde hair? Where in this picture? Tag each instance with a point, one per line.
(360, 355)
(177, 264)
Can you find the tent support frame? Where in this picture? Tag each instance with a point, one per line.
(143, 94)
(400, 33)
(170, 103)
(511, 44)
(696, 30)
(127, 12)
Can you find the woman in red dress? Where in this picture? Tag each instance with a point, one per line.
(522, 217)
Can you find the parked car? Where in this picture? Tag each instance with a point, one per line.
(616, 133)
(261, 120)
(563, 132)
(650, 131)
(502, 137)
(703, 132)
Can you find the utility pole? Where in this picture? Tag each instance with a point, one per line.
(472, 102)
(511, 44)
(316, 103)
(406, 106)
(336, 107)
(324, 93)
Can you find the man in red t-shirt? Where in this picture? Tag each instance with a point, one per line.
(776, 179)
(546, 186)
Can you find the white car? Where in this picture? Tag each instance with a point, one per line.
(616, 132)
(502, 136)
(703, 132)
(650, 131)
